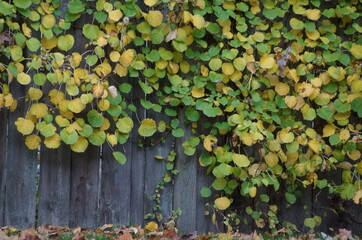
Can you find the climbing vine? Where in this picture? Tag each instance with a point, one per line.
(283, 77)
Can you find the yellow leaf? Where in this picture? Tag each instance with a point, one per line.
(305, 89)
(104, 104)
(354, 155)
(271, 159)
(239, 63)
(114, 56)
(252, 191)
(75, 59)
(23, 78)
(38, 110)
(315, 145)
(247, 139)
(344, 135)
(198, 21)
(285, 136)
(56, 96)
(150, 3)
(197, 92)
(222, 203)
(24, 126)
(106, 125)
(97, 90)
(282, 88)
(151, 226)
(26, 30)
(127, 57)
(356, 50)
(35, 93)
(52, 142)
(115, 15)
(80, 145)
(209, 141)
(154, 18)
(358, 197)
(49, 43)
(32, 141)
(329, 130)
(291, 101)
(241, 160)
(359, 168)
(293, 75)
(227, 68)
(76, 105)
(112, 139)
(267, 61)
(48, 21)
(313, 14)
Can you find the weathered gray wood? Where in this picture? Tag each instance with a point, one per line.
(54, 186)
(204, 223)
(115, 188)
(137, 159)
(3, 139)
(21, 168)
(185, 194)
(84, 188)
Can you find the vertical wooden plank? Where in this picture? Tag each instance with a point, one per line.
(137, 160)
(115, 188)
(3, 145)
(204, 223)
(85, 167)
(54, 183)
(84, 188)
(154, 168)
(54, 186)
(154, 172)
(21, 164)
(185, 183)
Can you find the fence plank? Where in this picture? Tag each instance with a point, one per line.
(115, 188)
(185, 183)
(84, 188)
(137, 159)
(54, 186)
(3, 135)
(21, 164)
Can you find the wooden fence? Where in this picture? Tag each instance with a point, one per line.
(60, 187)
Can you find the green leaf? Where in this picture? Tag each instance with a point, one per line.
(95, 118)
(120, 157)
(147, 127)
(290, 198)
(65, 42)
(68, 137)
(342, 107)
(310, 222)
(90, 31)
(75, 6)
(325, 113)
(125, 87)
(347, 190)
(178, 132)
(322, 183)
(16, 53)
(219, 184)
(22, 3)
(33, 44)
(356, 106)
(264, 198)
(125, 125)
(97, 138)
(205, 192)
(334, 139)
